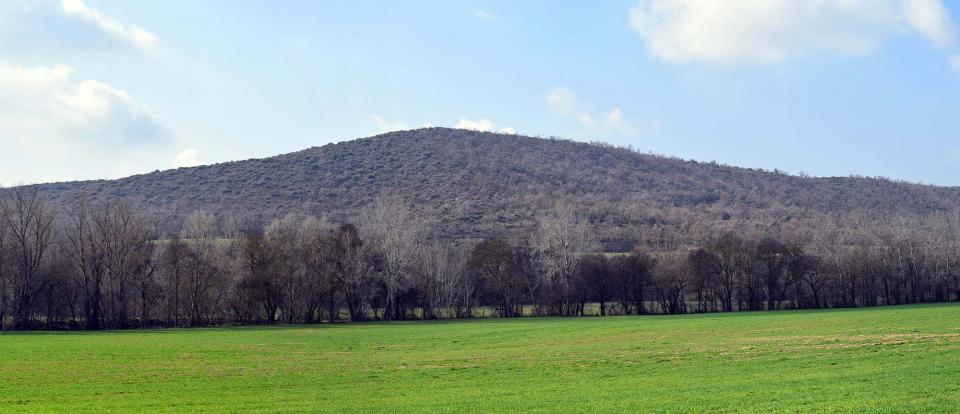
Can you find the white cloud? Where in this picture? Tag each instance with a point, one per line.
(931, 19)
(562, 101)
(765, 31)
(955, 62)
(384, 126)
(483, 125)
(955, 153)
(52, 96)
(57, 127)
(480, 125)
(615, 121)
(189, 157)
(485, 15)
(130, 33)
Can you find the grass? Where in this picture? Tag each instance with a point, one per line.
(895, 359)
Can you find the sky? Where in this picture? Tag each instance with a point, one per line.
(93, 89)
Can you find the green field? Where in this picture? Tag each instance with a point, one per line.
(896, 359)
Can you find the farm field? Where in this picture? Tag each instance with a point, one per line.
(893, 359)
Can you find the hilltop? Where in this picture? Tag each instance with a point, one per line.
(479, 184)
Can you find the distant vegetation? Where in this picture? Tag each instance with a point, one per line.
(442, 223)
(107, 264)
(479, 185)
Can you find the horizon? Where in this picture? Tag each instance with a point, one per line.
(91, 89)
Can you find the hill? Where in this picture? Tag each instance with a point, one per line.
(478, 184)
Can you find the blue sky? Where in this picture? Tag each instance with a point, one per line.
(103, 89)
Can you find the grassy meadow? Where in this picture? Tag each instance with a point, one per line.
(894, 359)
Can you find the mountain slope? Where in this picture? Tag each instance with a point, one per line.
(479, 184)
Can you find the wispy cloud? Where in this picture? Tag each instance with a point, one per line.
(482, 124)
(189, 157)
(384, 126)
(562, 101)
(485, 15)
(955, 63)
(752, 32)
(129, 33)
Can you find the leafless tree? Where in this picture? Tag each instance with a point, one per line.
(203, 275)
(559, 244)
(633, 273)
(705, 269)
(29, 225)
(397, 234)
(352, 264)
(104, 265)
(773, 256)
(733, 259)
(319, 290)
(172, 264)
(87, 262)
(122, 241)
(4, 275)
(596, 280)
(441, 276)
(832, 243)
(670, 279)
(495, 262)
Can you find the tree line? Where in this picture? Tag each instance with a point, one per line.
(105, 265)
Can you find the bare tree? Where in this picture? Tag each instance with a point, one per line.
(110, 270)
(495, 263)
(29, 224)
(4, 270)
(87, 261)
(633, 273)
(773, 256)
(559, 244)
(441, 275)
(203, 275)
(835, 242)
(816, 277)
(596, 280)
(705, 269)
(733, 260)
(352, 266)
(397, 234)
(319, 291)
(951, 228)
(122, 241)
(172, 264)
(670, 279)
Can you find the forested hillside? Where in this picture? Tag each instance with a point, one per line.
(479, 184)
(450, 223)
